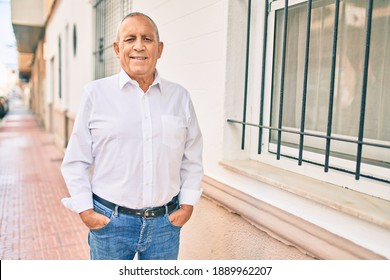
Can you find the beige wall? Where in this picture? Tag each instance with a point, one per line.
(38, 78)
(60, 128)
(214, 233)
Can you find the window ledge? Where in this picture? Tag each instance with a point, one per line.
(365, 207)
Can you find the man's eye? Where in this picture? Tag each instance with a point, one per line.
(128, 40)
(148, 39)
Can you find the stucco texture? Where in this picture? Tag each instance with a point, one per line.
(214, 233)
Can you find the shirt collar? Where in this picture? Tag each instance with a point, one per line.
(124, 79)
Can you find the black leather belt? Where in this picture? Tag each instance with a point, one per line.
(146, 212)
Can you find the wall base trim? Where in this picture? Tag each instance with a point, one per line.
(290, 229)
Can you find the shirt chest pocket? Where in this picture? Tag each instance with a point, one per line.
(174, 130)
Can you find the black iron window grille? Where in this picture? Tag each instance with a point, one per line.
(108, 14)
(330, 89)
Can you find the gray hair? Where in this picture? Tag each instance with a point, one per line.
(133, 14)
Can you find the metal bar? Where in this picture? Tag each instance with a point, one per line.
(96, 36)
(284, 46)
(332, 78)
(261, 117)
(305, 73)
(364, 89)
(248, 31)
(105, 34)
(97, 3)
(322, 136)
(98, 15)
(108, 47)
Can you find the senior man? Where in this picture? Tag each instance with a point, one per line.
(140, 134)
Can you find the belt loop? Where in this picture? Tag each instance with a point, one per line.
(166, 209)
(116, 210)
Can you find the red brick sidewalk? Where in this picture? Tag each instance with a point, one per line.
(34, 224)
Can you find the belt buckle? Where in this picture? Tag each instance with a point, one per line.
(148, 213)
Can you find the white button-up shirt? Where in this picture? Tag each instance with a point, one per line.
(144, 148)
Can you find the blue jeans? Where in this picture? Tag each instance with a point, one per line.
(125, 235)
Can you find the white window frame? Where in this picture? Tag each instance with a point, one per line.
(334, 176)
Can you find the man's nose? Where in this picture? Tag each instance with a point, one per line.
(139, 45)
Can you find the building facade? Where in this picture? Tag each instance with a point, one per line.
(291, 97)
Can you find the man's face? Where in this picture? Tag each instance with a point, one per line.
(138, 48)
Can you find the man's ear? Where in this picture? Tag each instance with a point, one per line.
(160, 48)
(116, 49)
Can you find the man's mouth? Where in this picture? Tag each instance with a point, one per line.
(138, 57)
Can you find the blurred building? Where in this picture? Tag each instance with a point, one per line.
(294, 119)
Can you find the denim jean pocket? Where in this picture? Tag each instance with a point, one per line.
(170, 223)
(98, 208)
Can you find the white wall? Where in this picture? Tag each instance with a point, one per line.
(76, 70)
(194, 34)
(29, 12)
(205, 48)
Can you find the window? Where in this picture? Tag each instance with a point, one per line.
(348, 78)
(108, 15)
(74, 40)
(324, 101)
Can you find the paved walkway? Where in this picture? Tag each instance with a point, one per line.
(34, 225)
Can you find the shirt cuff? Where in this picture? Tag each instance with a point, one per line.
(190, 197)
(78, 203)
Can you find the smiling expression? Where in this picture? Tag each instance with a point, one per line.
(138, 48)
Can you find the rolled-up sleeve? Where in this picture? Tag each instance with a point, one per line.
(191, 172)
(78, 160)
